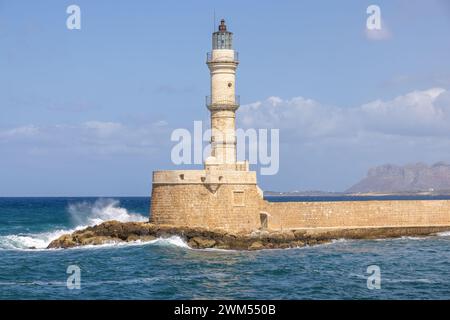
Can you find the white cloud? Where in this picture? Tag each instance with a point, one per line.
(22, 131)
(104, 129)
(306, 117)
(415, 113)
(418, 113)
(92, 137)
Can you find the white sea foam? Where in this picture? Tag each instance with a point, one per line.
(340, 240)
(420, 280)
(83, 214)
(171, 241)
(444, 234)
(38, 240)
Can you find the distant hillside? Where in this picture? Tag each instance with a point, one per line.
(417, 177)
(303, 193)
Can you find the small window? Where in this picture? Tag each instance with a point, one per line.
(238, 198)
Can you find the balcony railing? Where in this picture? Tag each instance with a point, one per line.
(223, 101)
(218, 58)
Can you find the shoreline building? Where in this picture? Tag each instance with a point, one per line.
(225, 195)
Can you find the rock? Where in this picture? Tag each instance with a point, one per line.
(133, 237)
(198, 238)
(99, 240)
(298, 244)
(222, 246)
(257, 245)
(201, 242)
(281, 236)
(145, 238)
(299, 234)
(269, 246)
(65, 241)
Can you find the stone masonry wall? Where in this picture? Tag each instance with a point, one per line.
(232, 201)
(344, 214)
(231, 207)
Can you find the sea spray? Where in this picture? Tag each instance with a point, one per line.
(82, 215)
(35, 241)
(87, 213)
(173, 241)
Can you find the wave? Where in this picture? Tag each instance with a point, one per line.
(171, 241)
(82, 215)
(38, 240)
(174, 241)
(88, 214)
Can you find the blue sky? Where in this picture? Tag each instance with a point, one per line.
(90, 111)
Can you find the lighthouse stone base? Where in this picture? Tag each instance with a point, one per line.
(213, 198)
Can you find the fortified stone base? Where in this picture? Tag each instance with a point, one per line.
(219, 199)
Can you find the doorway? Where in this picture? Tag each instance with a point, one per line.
(264, 220)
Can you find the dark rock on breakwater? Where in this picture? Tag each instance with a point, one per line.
(199, 238)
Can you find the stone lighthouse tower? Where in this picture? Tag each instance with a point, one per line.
(224, 194)
(223, 102)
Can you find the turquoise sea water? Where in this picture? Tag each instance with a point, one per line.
(411, 268)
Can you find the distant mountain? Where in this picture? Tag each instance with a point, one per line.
(417, 177)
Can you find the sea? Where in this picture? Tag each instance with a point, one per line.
(403, 268)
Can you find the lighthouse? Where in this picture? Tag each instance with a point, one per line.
(223, 102)
(224, 194)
